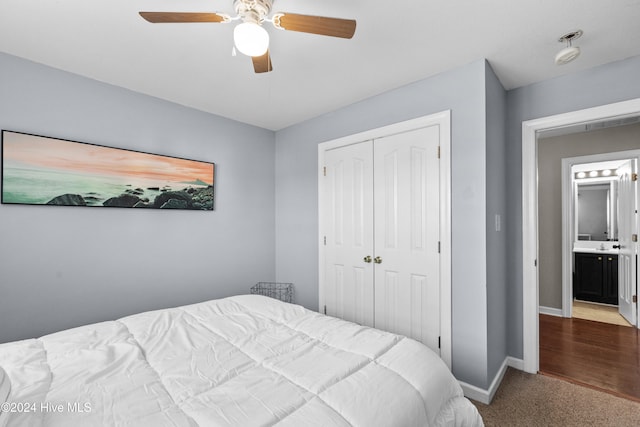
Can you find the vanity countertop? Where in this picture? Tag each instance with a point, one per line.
(596, 247)
(609, 251)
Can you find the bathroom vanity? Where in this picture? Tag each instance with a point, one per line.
(596, 276)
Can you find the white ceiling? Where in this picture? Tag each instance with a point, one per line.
(396, 42)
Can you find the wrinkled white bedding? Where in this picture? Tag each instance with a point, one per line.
(240, 361)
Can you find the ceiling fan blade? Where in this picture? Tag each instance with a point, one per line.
(178, 17)
(334, 27)
(262, 64)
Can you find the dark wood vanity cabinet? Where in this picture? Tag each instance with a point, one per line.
(596, 277)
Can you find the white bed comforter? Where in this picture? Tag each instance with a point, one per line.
(241, 361)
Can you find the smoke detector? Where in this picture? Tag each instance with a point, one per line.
(570, 52)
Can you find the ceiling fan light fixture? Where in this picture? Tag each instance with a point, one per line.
(251, 39)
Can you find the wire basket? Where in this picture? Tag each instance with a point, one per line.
(277, 290)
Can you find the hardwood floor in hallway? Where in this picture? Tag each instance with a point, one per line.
(595, 354)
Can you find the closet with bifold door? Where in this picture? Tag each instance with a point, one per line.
(380, 230)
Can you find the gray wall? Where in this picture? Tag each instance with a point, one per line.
(65, 266)
(497, 251)
(463, 92)
(551, 151)
(613, 82)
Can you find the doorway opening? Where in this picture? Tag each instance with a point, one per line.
(530, 132)
(593, 271)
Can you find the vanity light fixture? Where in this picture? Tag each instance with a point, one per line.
(594, 173)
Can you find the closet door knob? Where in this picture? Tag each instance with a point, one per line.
(377, 260)
(367, 259)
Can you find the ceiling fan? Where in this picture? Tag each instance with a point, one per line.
(250, 37)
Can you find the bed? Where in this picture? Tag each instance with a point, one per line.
(246, 360)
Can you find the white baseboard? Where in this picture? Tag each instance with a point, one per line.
(475, 393)
(550, 311)
(486, 396)
(515, 363)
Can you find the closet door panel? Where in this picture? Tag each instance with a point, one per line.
(406, 200)
(348, 215)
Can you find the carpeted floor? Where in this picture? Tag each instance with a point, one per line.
(537, 400)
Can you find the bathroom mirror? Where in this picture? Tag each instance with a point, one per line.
(595, 209)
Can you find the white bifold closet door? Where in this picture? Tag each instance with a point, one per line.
(382, 243)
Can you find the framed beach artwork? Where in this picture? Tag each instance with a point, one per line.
(39, 170)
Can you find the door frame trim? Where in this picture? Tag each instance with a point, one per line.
(443, 120)
(530, 129)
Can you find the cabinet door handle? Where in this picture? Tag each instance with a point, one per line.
(377, 260)
(367, 259)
